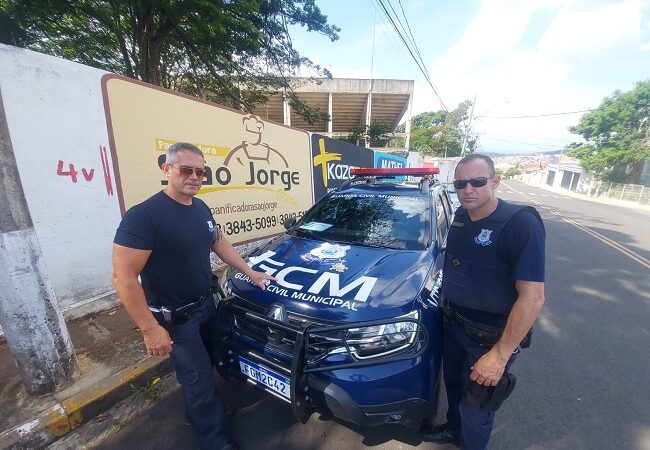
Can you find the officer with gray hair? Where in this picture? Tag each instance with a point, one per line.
(166, 241)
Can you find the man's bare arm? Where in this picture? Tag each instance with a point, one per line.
(490, 367)
(522, 316)
(127, 265)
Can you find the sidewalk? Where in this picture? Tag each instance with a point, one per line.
(603, 199)
(111, 357)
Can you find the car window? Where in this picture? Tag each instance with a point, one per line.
(441, 220)
(399, 222)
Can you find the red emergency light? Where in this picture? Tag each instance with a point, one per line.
(396, 171)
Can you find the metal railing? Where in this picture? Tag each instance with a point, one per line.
(626, 192)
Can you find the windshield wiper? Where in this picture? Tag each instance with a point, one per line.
(310, 234)
(370, 244)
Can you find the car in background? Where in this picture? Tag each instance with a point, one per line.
(453, 197)
(350, 327)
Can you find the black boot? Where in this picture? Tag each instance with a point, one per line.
(441, 434)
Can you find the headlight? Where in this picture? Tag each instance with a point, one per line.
(382, 340)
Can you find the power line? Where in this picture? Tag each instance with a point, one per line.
(410, 32)
(537, 115)
(408, 47)
(393, 43)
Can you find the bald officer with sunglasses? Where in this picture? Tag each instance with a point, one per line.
(166, 240)
(493, 290)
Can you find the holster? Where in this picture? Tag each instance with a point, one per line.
(168, 317)
(490, 398)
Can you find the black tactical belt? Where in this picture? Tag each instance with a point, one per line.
(166, 316)
(484, 335)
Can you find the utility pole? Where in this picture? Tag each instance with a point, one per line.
(469, 125)
(29, 312)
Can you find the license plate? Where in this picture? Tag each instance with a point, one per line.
(267, 377)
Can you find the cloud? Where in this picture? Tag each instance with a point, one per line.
(490, 60)
(497, 28)
(576, 32)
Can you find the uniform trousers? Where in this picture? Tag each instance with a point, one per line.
(471, 424)
(193, 360)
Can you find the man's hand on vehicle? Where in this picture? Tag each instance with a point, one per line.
(489, 369)
(157, 341)
(260, 279)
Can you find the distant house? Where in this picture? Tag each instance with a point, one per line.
(567, 173)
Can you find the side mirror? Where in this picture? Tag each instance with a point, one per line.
(289, 222)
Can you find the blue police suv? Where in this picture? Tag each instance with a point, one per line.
(350, 326)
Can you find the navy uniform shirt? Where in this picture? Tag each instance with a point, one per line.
(522, 247)
(180, 238)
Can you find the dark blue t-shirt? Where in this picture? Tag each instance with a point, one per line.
(521, 246)
(179, 237)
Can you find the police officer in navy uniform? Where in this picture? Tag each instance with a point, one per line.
(493, 289)
(166, 240)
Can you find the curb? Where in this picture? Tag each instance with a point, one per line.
(60, 419)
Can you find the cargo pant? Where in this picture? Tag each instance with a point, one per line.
(192, 358)
(471, 424)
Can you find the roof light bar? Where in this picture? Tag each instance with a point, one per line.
(396, 171)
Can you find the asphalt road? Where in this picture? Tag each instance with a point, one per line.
(584, 383)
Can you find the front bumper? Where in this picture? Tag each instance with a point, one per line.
(313, 385)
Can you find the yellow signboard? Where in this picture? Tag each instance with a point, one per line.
(258, 172)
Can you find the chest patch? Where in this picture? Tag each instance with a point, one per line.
(483, 238)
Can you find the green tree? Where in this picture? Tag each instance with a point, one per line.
(511, 172)
(233, 52)
(374, 133)
(615, 134)
(441, 133)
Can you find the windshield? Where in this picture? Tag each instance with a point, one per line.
(389, 221)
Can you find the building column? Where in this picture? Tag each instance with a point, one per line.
(286, 109)
(36, 333)
(368, 115)
(407, 125)
(329, 112)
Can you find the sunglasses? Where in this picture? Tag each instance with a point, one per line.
(475, 182)
(187, 171)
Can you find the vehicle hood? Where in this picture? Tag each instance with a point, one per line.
(335, 282)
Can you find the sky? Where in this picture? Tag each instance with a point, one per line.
(515, 57)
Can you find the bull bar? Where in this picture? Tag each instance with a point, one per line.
(299, 366)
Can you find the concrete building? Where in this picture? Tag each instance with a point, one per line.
(568, 174)
(349, 102)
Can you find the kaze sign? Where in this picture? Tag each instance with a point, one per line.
(257, 173)
(333, 160)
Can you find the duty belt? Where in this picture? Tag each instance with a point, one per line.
(484, 335)
(167, 316)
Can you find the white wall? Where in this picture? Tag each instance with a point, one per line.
(55, 113)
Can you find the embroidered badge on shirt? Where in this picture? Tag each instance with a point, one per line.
(210, 226)
(483, 238)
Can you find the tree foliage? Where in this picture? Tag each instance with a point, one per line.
(441, 133)
(233, 52)
(616, 133)
(374, 133)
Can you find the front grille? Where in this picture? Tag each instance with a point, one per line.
(283, 342)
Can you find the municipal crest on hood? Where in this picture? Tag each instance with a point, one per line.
(483, 238)
(327, 251)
